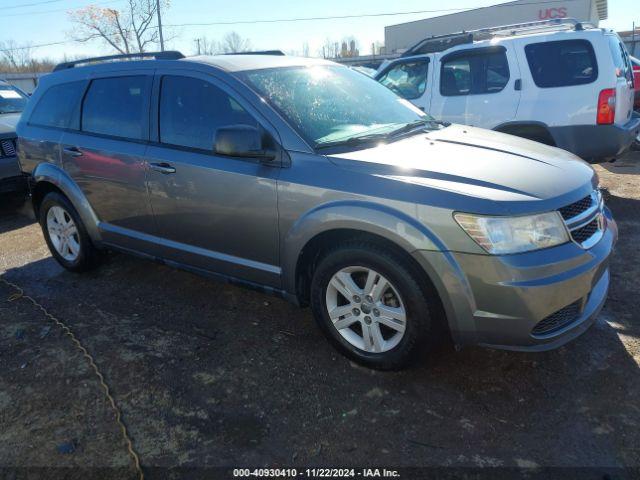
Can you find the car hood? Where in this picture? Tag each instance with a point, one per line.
(8, 122)
(474, 162)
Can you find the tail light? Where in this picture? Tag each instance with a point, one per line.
(606, 106)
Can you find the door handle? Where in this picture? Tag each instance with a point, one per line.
(72, 151)
(163, 167)
(517, 85)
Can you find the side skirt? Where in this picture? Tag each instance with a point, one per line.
(219, 277)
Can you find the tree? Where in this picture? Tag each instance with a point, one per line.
(16, 56)
(329, 49)
(232, 42)
(130, 30)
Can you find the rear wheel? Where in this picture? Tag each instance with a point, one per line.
(369, 303)
(65, 234)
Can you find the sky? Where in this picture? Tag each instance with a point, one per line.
(44, 21)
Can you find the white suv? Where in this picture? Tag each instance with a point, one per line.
(562, 83)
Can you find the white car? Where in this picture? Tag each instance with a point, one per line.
(562, 83)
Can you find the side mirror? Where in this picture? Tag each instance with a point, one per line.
(241, 141)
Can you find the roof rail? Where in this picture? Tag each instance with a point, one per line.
(259, 52)
(439, 43)
(167, 55)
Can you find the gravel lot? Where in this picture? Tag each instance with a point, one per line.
(209, 374)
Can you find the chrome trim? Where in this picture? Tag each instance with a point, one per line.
(596, 237)
(585, 218)
(589, 213)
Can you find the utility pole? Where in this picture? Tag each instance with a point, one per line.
(160, 25)
(198, 42)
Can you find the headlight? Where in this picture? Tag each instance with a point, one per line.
(500, 235)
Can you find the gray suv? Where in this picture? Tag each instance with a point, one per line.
(309, 180)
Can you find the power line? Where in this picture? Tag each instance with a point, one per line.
(300, 19)
(31, 4)
(24, 14)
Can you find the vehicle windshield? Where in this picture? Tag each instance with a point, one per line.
(334, 104)
(11, 100)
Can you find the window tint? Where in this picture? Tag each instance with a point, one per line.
(562, 63)
(191, 110)
(58, 106)
(407, 79)
(473, 73)
(116, 106)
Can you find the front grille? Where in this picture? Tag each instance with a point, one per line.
(582, 234)
(7, 148)
(584, 219)
(576, 208)
(558, 320)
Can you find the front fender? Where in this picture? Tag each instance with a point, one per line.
(51, 173)
(396, 226)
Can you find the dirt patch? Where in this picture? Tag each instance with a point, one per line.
(206, 377)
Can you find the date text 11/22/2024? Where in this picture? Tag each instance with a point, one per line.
(315, 473)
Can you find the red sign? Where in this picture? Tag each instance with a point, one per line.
(546, 13)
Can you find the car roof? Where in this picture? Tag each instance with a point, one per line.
(238, 63)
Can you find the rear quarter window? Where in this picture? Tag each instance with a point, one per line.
(58, 106)
(562, 63)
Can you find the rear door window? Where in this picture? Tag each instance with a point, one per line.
(562, 63)
(59, 106)
(116, 107)
(474, 72)
(407, 79)
(191, 110)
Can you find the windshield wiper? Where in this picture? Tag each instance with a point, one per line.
(357, 140)
(414, 125)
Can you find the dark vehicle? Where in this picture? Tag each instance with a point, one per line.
(309, 180)
(12, 103)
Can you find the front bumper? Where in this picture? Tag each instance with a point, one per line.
(11, 179)
(497, 301)
(597, 143)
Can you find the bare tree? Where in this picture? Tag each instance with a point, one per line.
(129, 30)
(329, 49)
(232, 42)
(205, 46)
(16, 56)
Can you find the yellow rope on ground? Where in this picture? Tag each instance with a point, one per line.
(125, 434)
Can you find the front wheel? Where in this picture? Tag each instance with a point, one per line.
(370, 303)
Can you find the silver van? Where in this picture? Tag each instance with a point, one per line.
(308, 180)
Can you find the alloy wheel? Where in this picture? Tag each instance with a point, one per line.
(366, 309)
(63, 233)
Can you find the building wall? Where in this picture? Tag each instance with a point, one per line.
(27, 82)
(402, 36)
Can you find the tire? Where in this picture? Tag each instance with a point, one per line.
(357, 260)
(83, 256)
